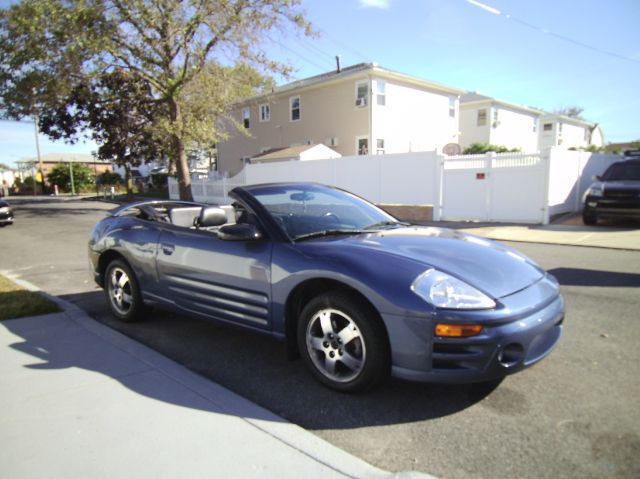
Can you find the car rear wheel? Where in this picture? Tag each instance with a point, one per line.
(123, 293)
(343, 342)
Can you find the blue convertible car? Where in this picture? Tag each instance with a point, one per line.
(355, 292)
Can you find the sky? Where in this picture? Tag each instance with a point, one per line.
(546, 54)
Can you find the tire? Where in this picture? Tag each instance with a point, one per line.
(343, 342)
(122, 291)
(589, 218)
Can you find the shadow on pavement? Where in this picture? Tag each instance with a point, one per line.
(256, 368)
(60, 344)
(588, 277)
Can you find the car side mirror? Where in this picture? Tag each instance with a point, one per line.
(596, 177)
(239, 232)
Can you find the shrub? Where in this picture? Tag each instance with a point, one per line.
(109, 178)
(481, 148)
(83, 178)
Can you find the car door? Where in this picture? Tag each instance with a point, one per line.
(225, 280)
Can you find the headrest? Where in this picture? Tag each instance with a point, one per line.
(184, 216)
(212, 216)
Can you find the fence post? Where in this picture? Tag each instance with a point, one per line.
(488, 165)
(438, 208)
(545, 159)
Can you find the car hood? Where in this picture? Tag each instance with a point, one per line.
(493, 268)
(620, 185)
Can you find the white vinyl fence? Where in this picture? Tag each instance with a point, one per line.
(507, 187)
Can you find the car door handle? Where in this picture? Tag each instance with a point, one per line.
(168, 248)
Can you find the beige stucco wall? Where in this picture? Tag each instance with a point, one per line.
(326, 111)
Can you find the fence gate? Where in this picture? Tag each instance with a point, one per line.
(494, 187)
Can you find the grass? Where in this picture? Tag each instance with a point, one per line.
(17, 302)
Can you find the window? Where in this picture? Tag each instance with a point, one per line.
(265, 112)
(452, 106)
(559, 129)
(482, 117)
(547, 127)
(381, 96)
(362, 145)
(294, 106)
(362, 94)
(535, 125)
(246, 117)
(495, 120)
(586, 135)
(380, 146)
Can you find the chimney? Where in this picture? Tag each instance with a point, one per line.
(338, 64)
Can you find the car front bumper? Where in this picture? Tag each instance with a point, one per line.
(6, 219)
(526, 329)
(602, 206)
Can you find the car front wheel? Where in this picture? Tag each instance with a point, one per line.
(122, 291)
(589, 217)
(343, 341)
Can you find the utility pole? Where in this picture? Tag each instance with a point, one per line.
(73, 188)
(36, 118)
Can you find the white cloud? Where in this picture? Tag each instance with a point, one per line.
(383, 4)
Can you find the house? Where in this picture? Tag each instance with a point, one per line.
(30, 166)
(297, 153)
(568, 132)
(486, 120)
(356, 110)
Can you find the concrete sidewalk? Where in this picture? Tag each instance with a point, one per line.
(79, 399)
(568, 230)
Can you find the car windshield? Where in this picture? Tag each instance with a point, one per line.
(622, 172)
(307, 211)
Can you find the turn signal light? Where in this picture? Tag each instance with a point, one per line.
(457, 330)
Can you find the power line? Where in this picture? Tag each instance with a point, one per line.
(495, 11)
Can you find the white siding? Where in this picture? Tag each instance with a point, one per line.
(412, 119)
(514, 129)
(470, 132)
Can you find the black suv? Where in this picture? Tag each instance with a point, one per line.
(616, 194)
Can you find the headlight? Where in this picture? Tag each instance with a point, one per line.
(4, 209)
(594, 190)
(444, 291)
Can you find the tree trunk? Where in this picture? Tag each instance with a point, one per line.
(128, 181)
(182, 165)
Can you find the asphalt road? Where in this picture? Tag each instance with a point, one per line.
(576, 414)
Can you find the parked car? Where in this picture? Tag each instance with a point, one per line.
(615, 194)
(6, 214)
(357, 293)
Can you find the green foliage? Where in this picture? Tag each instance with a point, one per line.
(570, 111)
(4, 167)
(482, 148)
(83, 177)
(109, 178)
(188, 62)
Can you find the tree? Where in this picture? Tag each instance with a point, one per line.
(120, 111)
(570, 111)
(179, 49)
(83, 177)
